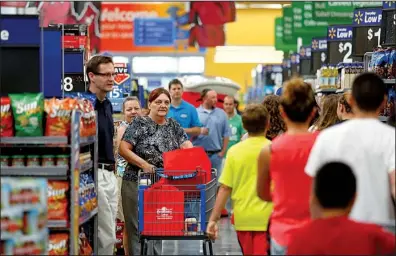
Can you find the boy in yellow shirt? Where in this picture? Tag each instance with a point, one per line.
(238, 180)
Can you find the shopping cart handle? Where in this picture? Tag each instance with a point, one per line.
(160, 172)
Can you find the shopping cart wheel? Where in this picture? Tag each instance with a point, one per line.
(204, 244)
(143, 247)
(204, 247)
(210, 247)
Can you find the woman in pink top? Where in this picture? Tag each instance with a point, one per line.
(283, 163)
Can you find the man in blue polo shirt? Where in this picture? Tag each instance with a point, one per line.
(215, 119)
(183, 112)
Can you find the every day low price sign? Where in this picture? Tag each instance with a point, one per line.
(339, 44)
(339, 12)
(367, 30)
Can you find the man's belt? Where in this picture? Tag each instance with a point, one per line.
(212, 152)
(107, 167)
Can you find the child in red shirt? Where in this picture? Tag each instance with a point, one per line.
(331, 232)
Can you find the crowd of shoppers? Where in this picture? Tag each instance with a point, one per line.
(293, 170)
(336, 179)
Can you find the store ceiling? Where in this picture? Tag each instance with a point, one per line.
(261, 5)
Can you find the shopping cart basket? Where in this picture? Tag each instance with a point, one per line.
(174, 207)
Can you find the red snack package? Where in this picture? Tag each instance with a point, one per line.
(58, 116)
(6, 122)
(58, 244)
(85, 247)
(88, 115)
(57, 200)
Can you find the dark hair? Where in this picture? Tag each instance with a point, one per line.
(328, 116)
(277, 125)
(335, 185)
(203, 93)
(173, 82)
(129, 98)
(157, 92)
(343, 100)
(369, 91)
(297, 100)
(94, 63)
(255, 118)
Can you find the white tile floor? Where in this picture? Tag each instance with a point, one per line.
(226, 245)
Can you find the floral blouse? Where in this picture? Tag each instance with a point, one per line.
(149, 140)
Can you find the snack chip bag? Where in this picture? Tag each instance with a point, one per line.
(6, 122)
(58, 244)
(28, 111)
(88, 115)
(59, 116)
(57, 200)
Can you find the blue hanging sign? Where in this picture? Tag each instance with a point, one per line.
(389, 5)
(339, 33)
(370, 17)
(154, 32)
(20, 30)
(318, 44)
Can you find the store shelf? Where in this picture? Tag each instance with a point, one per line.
(84, 219)
(86, 166)
(34, 140)
(87, 140)
(343, 90)
(58, 172)
(390, 81)
(57, 224)
(326, 90)
(383, 118)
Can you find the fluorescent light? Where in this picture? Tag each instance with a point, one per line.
(248, 54)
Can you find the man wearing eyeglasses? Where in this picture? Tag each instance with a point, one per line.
(100, 72)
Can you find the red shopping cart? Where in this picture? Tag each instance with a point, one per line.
(172, 206)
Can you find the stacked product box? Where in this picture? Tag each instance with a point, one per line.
(23, 216)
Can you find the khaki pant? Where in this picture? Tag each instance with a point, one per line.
(129, 194)
(107, 210)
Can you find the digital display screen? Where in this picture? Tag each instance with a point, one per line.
(19, 70)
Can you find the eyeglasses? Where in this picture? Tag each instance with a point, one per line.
(108, 75)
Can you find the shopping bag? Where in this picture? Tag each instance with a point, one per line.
(187, 161)
(163, 209)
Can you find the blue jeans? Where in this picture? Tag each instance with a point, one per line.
(277, 249)
(217, 163)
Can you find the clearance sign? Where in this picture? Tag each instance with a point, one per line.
(117, 26)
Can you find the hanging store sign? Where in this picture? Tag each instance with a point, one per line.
(339, 44)
(366, 30)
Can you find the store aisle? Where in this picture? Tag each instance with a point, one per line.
(226, 245)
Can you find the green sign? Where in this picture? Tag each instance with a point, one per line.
(303, 23)
(279, 44)
(288, 37)
(338, 12)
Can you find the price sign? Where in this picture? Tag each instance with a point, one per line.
(116, 93)
(366, 30)
(319, 53)
(305, 60)
(388, 25)
(74, 83)
(339, 44)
